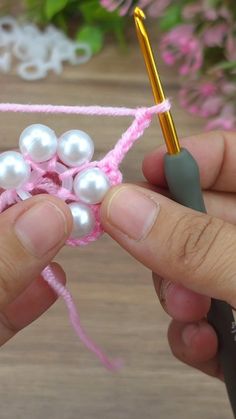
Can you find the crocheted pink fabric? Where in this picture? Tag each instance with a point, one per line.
(52, 178)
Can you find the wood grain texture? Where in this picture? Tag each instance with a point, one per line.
(45, 372)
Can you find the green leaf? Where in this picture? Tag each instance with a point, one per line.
(225, 65)
(171, 18)
(52, 7)
(61, 21)
(214, 3)
(93, 12)
(120, 36)
(33, 3)
(93, 35)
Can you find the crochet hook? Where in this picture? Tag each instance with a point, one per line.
(183, 179)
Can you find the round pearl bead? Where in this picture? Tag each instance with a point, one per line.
(14, 170)
(91, 185)
(39, 142)
(83, 220)
(75, 148)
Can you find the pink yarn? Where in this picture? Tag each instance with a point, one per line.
(81, 110)
(51, 177)
(61, 291)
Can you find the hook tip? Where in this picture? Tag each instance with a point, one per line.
(139, 13)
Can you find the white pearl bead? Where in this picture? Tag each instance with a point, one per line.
(39, 142)
(83, 220)
(14, 170)
(75, 148)
(91, 185)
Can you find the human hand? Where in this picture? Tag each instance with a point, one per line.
(191, 254)
(32, 232)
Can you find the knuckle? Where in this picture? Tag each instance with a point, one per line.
(8, 325)
(161, 286)
(9, 275)
(193, 239)
(173, 332)
(157, 281)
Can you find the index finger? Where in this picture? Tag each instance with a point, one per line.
(215, 153)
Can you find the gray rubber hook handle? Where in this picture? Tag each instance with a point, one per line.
(182, 176)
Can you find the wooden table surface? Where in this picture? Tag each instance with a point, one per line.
(45, 372)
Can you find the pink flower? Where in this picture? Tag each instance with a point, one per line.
(211, 14)
(226, 120)
(229, 89)
(191, 10)
(215, 35)
(202, 99)
(180, 44)
(218, 13)
(202, 10)
(154, 7)
(230, 51)
(112, 5)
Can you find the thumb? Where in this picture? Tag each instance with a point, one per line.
(32, 232)
(179, 244)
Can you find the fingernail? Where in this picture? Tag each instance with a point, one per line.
(132, 212)
(161, 286)
(165, 288)
(41, 228)
(188, 333)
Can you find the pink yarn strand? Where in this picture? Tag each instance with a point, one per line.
(141, 122)
(133, 133)
(80, 110)
(62, 291)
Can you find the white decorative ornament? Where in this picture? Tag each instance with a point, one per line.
(14, 170)
(75, 148)
(5, 62)
(24, 49)
(32, 70)
(81, 53)
(91, 185)
(38, 52)
(9, 29)
(39, 142)
(83, 220)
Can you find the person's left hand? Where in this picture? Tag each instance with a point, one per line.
(32, 233)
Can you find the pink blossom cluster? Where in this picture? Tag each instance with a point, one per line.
(202, 44)
(153, 7)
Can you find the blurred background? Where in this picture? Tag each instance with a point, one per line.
(84, 53)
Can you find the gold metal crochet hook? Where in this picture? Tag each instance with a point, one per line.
(166, 120)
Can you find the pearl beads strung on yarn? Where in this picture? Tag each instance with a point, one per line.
(75, 148)
(83, 220)
(39, 142)
(14, 170)
(91, 185)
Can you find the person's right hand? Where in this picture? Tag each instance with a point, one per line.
(192, 255)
